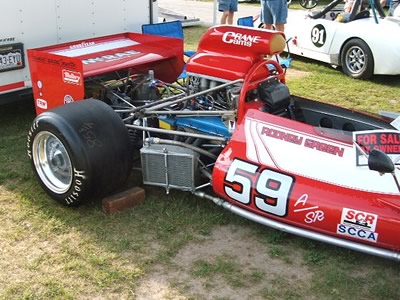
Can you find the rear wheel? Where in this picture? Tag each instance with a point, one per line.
(79, 151)
(357, 60)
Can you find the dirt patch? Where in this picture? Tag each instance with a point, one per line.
(294, 74)
(250, 271)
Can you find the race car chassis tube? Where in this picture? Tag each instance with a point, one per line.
(299, 231)
(177, 132)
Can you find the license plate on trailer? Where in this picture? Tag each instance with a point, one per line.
(11, 57)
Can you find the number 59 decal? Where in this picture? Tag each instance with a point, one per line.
(271, 189)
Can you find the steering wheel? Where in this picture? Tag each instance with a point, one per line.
(319, 14)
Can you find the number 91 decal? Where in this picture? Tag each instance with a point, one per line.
(271, 189)
(318, 35)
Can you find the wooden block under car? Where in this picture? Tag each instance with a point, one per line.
(123, 200)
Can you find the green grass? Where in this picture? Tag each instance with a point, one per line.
(52, 252)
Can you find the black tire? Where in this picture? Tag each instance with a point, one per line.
(357, 59)
(308, 4)
(79, 151)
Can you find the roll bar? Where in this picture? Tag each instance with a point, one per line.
(355, 11)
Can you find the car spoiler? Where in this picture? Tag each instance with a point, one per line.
(64, 67)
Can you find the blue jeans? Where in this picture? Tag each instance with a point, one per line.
(274, 11)
(228, 5)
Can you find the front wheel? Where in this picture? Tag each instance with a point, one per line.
(357, 60)
(79, 151)
(308, 4)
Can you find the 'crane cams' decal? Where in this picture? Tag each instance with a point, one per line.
(318, 35)
(236, 38)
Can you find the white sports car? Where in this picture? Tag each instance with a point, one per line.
(363, 43)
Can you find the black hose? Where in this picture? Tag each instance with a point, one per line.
(379, 8)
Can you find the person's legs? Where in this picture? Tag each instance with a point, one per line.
(280, 27)
(266, 16)
(280, 12)
(229, 19)
(268, 26)
(223, 6)
(233, 7)
(224, 17)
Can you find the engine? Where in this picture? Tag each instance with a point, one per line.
(194, 94)
(180, 128)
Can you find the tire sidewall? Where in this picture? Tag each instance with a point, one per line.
(80, 172)
(369, 61)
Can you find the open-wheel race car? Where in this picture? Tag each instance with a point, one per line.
(229, 132)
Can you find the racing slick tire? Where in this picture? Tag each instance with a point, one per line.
(357, 59)
(79, 151)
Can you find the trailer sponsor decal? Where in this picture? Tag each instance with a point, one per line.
(71, 77)
(358, 224)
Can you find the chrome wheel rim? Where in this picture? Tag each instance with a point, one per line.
(356, 61)
(52, 162)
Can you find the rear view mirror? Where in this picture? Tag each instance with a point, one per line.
(380, 161)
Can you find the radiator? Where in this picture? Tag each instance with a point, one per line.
(170, 166)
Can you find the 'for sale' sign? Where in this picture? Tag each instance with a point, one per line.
(387, 141)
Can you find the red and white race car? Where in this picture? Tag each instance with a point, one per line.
(230, 132)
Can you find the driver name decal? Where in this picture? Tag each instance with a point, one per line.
(235, 38)
(358, 224)
(304, 153)
(302, 141)
(282, 135)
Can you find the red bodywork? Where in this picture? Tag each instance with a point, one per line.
(59, 72)
(262, 183)
(230, 53)
(278, 193)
